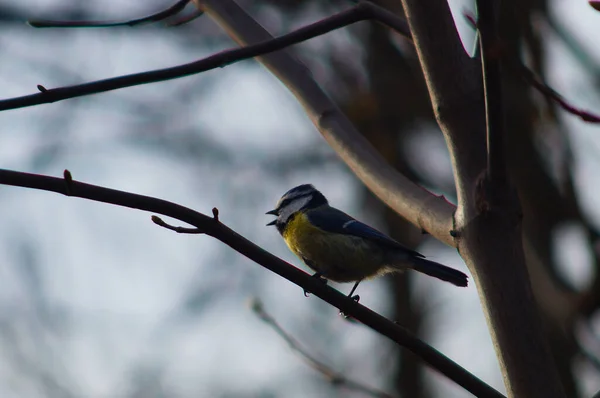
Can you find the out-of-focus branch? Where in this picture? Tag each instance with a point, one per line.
(159, 16)
(423, 209)
(517, 67)
(335, 378)
(212, 226)
(551, 94)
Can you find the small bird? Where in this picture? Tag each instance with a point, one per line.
(339, 248)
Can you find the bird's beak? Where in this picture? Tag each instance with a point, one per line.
(272, 213)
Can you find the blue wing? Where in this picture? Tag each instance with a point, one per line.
(336, 221)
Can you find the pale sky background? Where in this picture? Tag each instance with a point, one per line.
(98, 302)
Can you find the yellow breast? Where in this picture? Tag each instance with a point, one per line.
(339, 257)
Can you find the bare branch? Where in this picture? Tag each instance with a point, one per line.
(335, 378)
(159, 16)
(551, 94)
(363, 11)
(180, 230)
(454, 84)
(489, 240)
(212, 227)
(417, 205)
(536, 82)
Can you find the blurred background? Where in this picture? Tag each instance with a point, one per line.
(97, 301)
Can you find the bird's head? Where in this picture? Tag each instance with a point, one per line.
(301, 198)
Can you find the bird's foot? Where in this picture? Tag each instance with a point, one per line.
(355, 298)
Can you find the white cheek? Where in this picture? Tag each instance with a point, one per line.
(293, 207)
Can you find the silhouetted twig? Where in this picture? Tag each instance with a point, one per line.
(363, 11)
(180, 230)
(159, 16)
(336, 378)
(531, 78)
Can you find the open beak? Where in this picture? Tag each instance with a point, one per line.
(272, 213)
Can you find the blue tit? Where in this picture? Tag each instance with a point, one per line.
(339, 248)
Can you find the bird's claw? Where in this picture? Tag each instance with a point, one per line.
(356, 298)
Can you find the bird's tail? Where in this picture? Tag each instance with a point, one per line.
(440, 271)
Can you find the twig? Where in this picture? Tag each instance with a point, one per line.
(361, 12)
(68, 182)
(180, 230)
(531, 78)
(335, 378)
(159, 16)
(212, 227)
(536, 82)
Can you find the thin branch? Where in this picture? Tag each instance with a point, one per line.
(180, 230)
(361, 12)
(531, 78)
(492, 92)
(159, 16)
(518, 67)
(335, 378)
(454, 83)
(213, 227)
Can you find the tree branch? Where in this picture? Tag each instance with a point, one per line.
(213, 227)
(336, 378)
(489, 240)
(361, 12)
(159, 16)
(517, 67)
